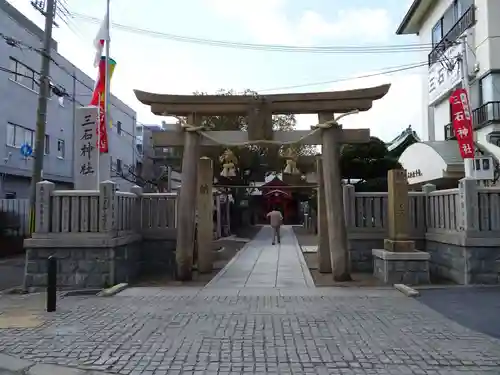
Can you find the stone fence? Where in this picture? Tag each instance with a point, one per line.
(459, 227)
(107, 236)
(103, 237)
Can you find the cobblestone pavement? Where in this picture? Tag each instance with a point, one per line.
(261, 264)
(246, 330)
(475, 307)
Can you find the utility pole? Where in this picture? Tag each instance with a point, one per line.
(43, 96)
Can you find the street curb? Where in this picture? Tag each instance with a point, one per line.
(115, 289)
(23, 366)
(14, 290)
(406, 290)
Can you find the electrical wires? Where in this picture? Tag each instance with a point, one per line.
(395, 48)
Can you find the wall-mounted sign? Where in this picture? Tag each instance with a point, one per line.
(413, 174)
(461, 117)
(445, 74)
(26, 150)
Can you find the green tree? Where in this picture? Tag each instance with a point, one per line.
(366, 165)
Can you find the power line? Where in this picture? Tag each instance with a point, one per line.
(264, 47)
(391, 70)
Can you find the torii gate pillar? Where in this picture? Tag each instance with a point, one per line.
(332, 179)
(187, 203)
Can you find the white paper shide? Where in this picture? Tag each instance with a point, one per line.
(86, 158)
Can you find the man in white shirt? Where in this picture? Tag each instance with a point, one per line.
(276, 219)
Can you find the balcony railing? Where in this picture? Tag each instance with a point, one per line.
(465, 22)
(486, 114)
(449, 132)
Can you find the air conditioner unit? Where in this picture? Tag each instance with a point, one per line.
(483, 168)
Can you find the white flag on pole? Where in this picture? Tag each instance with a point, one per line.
(99, 41)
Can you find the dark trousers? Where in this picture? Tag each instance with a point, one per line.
(276, 234)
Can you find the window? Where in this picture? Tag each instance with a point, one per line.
(60, 149)
(452, 15)
(119, 127)
(11, 135)
(118, 165)
(462, 6)
(437, 32)
(138, 130)
(24, 75)
(19, 135)
(139, 148)
(47, 144)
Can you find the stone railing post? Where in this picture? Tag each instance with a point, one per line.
(468, 206)
(107, 207)
(43, 212)
(427, 189)
(137, 209)
(349, 206)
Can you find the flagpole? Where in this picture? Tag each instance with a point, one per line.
(98, 124)
(107, 90)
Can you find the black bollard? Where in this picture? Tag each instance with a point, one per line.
(51, 284)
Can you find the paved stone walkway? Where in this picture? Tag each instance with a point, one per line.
(248, 329)
(263, 265)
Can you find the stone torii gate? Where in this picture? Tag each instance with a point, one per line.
(259, 109)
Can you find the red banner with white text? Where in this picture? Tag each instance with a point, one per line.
(98, 100)
(461, 117)
(103, 132)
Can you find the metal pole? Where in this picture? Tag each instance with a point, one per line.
(51, 284)
(98, 174)
(41, 115)
(464, 70)
(73, 98)
(106, 73)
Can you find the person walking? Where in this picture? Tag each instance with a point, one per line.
(275, 219)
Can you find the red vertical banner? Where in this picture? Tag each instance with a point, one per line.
(103, 132)
(461, 117)
(98, 100)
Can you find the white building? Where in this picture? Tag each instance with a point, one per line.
(444, 24)
(19, 83)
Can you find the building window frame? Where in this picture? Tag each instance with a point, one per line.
(437, 29)
(61, 148)
(23, 75)
(457, 8)
(19, 135)
(46, 145)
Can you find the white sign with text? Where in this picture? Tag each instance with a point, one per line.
(86, 157)
(445, 74)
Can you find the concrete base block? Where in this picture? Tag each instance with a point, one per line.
(410, 268)
(399, 246)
